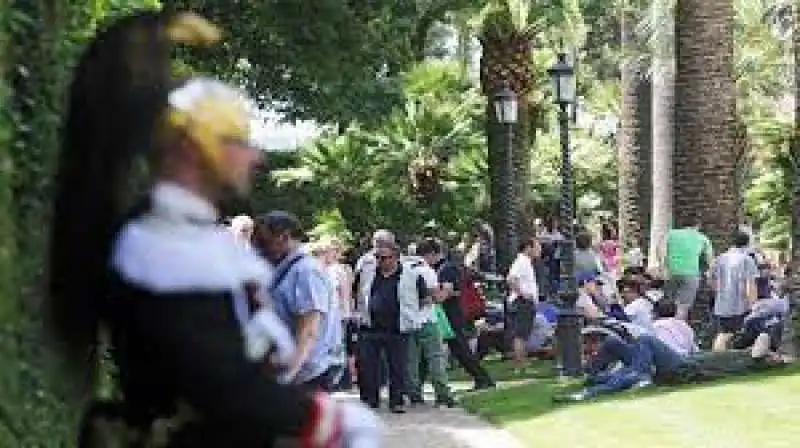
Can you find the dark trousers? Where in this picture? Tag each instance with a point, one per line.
(491, 340)
(459, 349)
(372, 346)
(327, 381)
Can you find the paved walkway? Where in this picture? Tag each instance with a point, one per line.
(428, 427)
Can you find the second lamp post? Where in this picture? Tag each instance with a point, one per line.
(568, 329)
(507, 110)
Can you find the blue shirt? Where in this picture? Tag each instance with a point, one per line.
(305, 288)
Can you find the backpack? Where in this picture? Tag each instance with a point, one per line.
(471, 300)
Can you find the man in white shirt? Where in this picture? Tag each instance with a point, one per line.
(524, 296)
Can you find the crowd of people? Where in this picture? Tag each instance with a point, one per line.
(401, 316)
(644, 334)
(392, 318)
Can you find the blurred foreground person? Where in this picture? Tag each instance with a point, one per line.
(195, 354)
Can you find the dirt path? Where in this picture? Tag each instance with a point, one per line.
(428, 427)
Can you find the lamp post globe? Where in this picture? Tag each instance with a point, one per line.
(562, 75)
(506, 106)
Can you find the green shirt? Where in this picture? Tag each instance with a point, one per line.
(684, 248)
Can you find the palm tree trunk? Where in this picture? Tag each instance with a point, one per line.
(644, 181)
(663, 121)
(503, 205)
(794, 261)
(634, 138)
(524, 133)
(705, 118)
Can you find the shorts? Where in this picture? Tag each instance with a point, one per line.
(683, 289)
(524, 312)
(730, 324)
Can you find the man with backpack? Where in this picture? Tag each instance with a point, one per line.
(455, 281)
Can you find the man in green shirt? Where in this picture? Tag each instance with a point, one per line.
(685, 247)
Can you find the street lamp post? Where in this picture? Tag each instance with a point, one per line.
(568, 328)
(506, 108)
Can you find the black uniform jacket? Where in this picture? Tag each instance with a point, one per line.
(176, 314)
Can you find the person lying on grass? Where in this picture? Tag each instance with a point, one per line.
(627, 357)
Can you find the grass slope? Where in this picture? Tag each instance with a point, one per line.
(758, 410)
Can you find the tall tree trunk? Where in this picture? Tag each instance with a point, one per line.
(794, 261)
(705, 118)
(663, 120)
(634, 137)
(503, 206)
(524, 133)
(644, 182)
(463, 44)
(8, 290)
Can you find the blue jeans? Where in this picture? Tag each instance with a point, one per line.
(770, 324)
(641, 358)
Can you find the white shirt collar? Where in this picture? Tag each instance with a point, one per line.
(176, 202)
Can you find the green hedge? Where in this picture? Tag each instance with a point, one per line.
(39, 43)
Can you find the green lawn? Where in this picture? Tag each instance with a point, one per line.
(759, 410)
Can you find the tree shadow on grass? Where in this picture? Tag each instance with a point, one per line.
(535, 397)
(502, 370)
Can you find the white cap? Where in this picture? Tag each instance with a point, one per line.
(382, 235)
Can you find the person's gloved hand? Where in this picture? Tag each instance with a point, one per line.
(337, 424)
(266, 337)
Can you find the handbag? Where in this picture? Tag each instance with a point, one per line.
(442, 323)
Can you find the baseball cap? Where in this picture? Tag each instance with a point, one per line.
(279, 221)
(583, 277)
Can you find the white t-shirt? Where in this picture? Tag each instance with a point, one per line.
(431, 282)
(584, 303)
(640, 312)
(522, 270)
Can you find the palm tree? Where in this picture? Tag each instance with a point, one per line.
(705, 158)
(507, 60)
(634, 146)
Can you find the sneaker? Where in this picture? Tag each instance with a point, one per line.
(416, 400)
(448, 402)
(484, 386)
(643, 382)
(397, 409)
(573, 397)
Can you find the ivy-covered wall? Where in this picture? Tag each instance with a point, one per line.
(39, 43)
